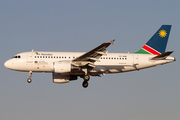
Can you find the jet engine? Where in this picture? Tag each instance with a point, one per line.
(64, 67)
(59, 78)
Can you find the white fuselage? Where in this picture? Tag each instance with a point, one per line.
(108, 63)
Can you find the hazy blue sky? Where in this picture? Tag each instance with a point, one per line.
(81, 25)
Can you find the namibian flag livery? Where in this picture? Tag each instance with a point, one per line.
(158, 42)
(112, 42)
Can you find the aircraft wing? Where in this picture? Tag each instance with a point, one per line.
(92, 56)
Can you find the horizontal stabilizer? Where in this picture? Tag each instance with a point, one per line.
(162, 56)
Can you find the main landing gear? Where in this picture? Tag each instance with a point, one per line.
(86, 79)
(30, 75)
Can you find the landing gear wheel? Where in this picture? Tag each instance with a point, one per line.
(29, 80)
(86, 77)
(85, 84)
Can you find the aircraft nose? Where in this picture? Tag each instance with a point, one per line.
(7, 64)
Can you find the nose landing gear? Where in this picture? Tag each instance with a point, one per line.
(30, 75)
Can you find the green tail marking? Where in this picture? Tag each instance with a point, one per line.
(141, 51)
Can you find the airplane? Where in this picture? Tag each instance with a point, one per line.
(68, 66)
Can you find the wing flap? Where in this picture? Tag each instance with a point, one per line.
(101, 53)
(91, 65)
(91, 58)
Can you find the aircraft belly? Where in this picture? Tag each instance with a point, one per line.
(114, 69)
(42, 68)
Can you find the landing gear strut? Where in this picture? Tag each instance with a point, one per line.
(30, 75)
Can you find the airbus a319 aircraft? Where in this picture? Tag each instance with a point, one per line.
(68, 66)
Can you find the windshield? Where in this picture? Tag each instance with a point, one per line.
(16, 56)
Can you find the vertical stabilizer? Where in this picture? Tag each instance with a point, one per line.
(158, 42)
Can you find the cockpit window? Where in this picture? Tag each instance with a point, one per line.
(17, 56)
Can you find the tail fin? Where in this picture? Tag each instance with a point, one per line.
(157, 44)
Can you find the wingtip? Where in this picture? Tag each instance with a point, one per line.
(112, 41)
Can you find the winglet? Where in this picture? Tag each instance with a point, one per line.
(112, 42)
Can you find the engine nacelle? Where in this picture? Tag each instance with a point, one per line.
(59, 78)
(64, 67)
